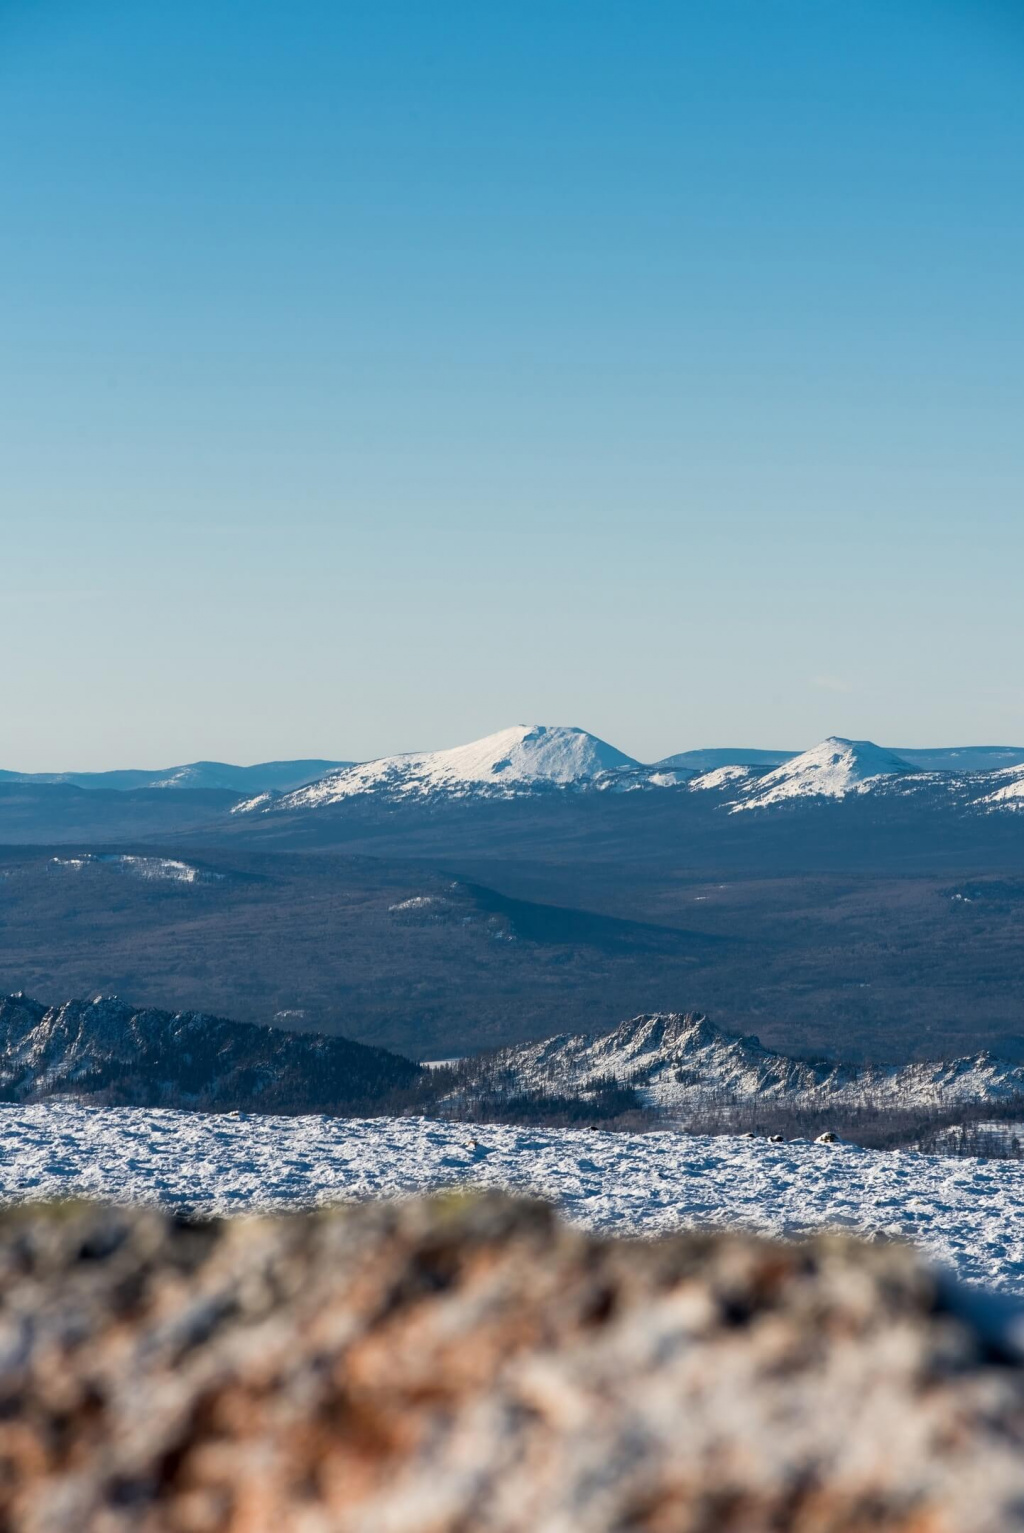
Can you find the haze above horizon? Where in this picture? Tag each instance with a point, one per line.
(377, 375)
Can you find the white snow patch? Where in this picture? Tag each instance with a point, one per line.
(664, 778)
(1010, 792)
(722, 777)
(248, 805)
(165, 869)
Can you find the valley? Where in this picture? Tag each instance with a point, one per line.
(845, 902)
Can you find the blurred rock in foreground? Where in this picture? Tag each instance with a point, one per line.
(471, 1366)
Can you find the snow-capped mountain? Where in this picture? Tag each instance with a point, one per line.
(523, 759)
(677, 1061)
(832, 769)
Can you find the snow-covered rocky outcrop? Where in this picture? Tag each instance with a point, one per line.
(1005, 789)
(526, 758)
(722, 777)
(109, 1051)
(832, 769)
(678, 1061)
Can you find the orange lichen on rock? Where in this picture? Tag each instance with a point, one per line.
(475, 1366)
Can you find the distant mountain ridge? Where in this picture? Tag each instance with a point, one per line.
(957, 758)
(121, 1055)
(265, 776)
(724, 756)
(522, 758)
(311, 799)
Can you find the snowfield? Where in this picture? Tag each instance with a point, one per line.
(967, 1214)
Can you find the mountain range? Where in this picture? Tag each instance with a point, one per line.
(265, 776)
(526, 760)
(676, 1062)
(532, 758)
(109, 1052)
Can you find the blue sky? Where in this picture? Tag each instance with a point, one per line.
(375, 375)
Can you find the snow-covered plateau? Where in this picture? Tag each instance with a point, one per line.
(967, 1214)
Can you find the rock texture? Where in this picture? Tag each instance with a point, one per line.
(473, 1366)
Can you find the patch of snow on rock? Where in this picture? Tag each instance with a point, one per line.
(722, 777)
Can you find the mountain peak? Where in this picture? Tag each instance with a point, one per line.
(518, 759)
(831, 769)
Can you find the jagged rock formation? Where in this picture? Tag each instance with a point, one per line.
(108, 1051)
(448, 1366)
(676, 1061)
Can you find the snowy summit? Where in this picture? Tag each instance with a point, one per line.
(521, 759)
(832, 769)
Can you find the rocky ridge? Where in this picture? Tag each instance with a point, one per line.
(679, 1060)
(111, 1052)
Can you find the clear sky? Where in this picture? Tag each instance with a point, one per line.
(374, 375)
